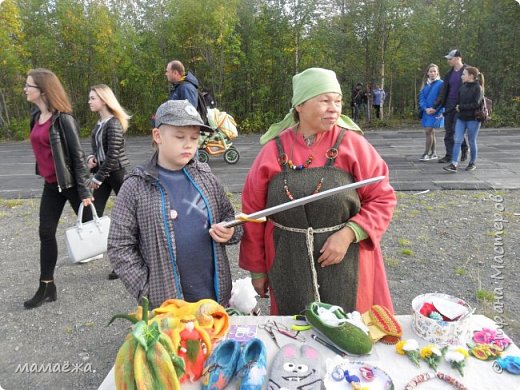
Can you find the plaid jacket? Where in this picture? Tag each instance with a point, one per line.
(141, 242)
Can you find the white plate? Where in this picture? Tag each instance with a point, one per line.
(381, 381)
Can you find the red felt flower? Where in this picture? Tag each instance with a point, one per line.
(427, 308)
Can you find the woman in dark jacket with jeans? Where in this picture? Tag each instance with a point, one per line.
(108, 161)
(471, 94)
(61, 162)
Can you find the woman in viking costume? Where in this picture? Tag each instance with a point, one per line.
(327, 250)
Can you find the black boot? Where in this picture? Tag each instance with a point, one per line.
(46, 292)
(113, 275)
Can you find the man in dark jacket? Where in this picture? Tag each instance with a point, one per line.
(448, 98)
(184, 85)
(358, 101)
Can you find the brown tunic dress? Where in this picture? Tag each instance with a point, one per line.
(296, 278)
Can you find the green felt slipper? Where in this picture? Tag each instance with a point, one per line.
(330, 321)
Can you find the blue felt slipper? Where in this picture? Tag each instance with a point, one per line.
(220, 367)
(252, 365)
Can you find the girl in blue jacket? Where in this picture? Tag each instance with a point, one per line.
(431, 118)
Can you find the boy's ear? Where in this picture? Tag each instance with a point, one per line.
(156, 135)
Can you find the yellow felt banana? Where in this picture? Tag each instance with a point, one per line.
(160, 362)
(143, 373)
(124, 365)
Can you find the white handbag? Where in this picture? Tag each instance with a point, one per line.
(89, 239)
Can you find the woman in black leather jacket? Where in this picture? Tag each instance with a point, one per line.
(108, 160)
(61, 162)
(470, 98)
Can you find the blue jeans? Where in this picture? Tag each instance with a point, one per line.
(473, 127)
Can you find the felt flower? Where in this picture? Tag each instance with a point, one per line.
(427, 309)
(484, 351)
(456, 356)
(432, 355)
(409, 348)
(491, 337)
(484, 336)
(435, 316)
(501, 343)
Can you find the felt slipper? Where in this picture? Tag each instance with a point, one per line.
(220, 367)
(252, 365)
(338, 330)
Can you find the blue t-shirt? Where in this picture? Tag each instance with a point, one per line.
(194, 252)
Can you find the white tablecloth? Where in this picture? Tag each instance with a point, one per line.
(478, 375)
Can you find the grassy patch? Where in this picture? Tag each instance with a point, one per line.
(480, 195)
(236, 201)
(460, 271)
(485, 295)
(392, 262)
(404, 242)
(11, 203)
(110, 203)
(407, 252)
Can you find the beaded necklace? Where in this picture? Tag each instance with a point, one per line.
(427, 376)
(291, 196)
(283, 160)
(308, 141)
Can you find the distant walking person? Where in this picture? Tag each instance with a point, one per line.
(470, 97)
(358, 99)
(61, 162)
(108, 161)
(448, 99)
(185, 86)
(379, 98)
(431, 118)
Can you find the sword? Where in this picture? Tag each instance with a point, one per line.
(257, 216)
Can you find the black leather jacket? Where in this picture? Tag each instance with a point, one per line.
(68, 155)
(470, 98)
(113, 147)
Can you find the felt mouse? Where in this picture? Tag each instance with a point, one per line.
(296, 368)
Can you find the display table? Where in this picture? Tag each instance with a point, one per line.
(478, 375)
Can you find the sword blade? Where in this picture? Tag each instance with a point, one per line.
(302, 201)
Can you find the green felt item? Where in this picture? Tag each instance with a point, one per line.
(346, 336)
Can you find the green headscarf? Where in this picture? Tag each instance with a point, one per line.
(306, 85)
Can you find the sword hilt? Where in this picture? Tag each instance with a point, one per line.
(240, 219)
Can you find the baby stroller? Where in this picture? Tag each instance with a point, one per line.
(219, 141)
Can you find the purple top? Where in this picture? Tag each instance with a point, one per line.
(41, 145)
(455, 82)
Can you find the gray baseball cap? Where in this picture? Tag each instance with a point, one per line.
(453, 53)
(179, 113)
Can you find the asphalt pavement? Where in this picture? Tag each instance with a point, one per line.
(498, 164)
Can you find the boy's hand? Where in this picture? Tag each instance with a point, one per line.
(220, 233)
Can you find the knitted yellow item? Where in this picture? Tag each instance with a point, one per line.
(382, 325)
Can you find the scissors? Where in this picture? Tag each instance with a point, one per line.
(272, 326)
